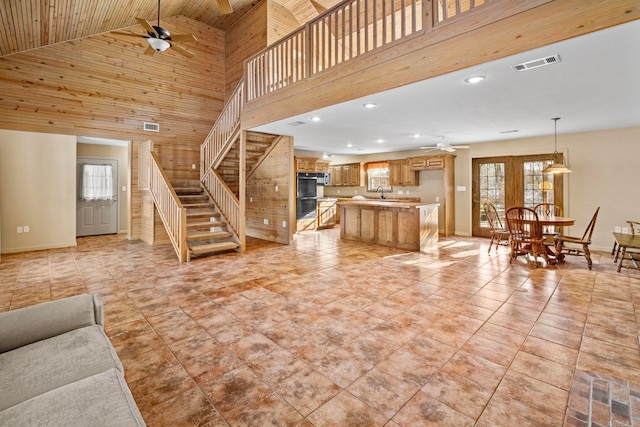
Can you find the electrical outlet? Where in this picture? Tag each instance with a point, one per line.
(399, 192)
(25, 228)
(437, 199)
(338, 191)
(265, 221)
(355, 191)
(276, 188)
(193, 166)
(124, 188)
(250, 199)
(617, 229)
(625, 230)
(284, 224)
(19, 230)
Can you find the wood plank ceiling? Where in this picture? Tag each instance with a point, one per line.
(30, 24)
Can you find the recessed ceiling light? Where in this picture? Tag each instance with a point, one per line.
(315, 119)
(415, 135)
(474, 79)
(370, 105)
(349, 145)
(380, 141)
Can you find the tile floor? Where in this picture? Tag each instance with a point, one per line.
(328, 332)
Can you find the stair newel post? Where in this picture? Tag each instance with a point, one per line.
(183, 235)
(243, 189)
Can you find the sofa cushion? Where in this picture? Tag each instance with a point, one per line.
(48, 364)
(99, 400)
(30, 324)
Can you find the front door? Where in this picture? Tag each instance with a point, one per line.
(97, 201)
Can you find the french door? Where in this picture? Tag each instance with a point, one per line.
(508, 181)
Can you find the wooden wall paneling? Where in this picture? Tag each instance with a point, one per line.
(103, 86)
(247, 37)
(264, 202)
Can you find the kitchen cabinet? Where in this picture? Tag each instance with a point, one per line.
(402, 175)
(327, 213)
(322, 166)
(426, 163)
(412, 226)
(305, 164)
(351, 174)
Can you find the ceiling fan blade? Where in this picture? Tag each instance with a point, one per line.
(146, 26)
(183, 38)
(149, 51)
(127, 34)
(182, 51)
(225, 7)
(429, 149)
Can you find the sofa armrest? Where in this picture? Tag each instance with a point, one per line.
(30, 324)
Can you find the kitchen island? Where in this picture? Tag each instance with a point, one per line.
(404, 225)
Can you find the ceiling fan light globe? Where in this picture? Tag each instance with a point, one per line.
(158, 44)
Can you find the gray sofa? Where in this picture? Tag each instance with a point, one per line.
(58, 368)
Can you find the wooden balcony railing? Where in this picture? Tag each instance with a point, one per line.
(172, 213)
(346, 31)
(223, 132)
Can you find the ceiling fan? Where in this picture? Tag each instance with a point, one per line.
(445, 146)
(160, 39)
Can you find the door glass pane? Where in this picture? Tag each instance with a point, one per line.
(538, 186)
(491, 189)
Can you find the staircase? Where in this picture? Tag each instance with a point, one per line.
(257, 147)
(207, 231)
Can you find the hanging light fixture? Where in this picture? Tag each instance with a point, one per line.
(556, 167)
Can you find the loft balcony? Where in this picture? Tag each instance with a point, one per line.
(361, 47)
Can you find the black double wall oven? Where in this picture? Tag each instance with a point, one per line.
(307, 195)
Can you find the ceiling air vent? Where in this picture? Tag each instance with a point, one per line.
(536, 63)
(298, 123)
(151, 127)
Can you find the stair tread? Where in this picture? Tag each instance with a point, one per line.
(203, 214)
(213, 247)
(202, 235)
(205, 224)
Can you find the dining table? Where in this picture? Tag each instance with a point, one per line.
(629, 245)
(556, 222)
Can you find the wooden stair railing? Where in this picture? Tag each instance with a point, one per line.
(224, 131)
(227, 203)
(170, 209)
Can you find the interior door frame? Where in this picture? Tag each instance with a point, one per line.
(514, 180)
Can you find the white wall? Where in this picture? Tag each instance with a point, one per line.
(605, 173)
(37, 188)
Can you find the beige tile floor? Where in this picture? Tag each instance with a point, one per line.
(326, 332)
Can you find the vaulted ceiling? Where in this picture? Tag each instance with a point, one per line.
(29, 24)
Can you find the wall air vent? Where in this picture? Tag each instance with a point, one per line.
(151, 127)
(298, 123)
(536, 63)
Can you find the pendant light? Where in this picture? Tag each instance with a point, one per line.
(556, 167)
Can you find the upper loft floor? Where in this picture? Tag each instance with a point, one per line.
(362, 47)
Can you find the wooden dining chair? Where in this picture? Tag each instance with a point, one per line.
(577, 245)
(548, 209)
(525, 234)
(496, 228)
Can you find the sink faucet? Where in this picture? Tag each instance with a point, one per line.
(382, 190)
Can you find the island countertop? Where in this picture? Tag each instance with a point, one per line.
(386, 203)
